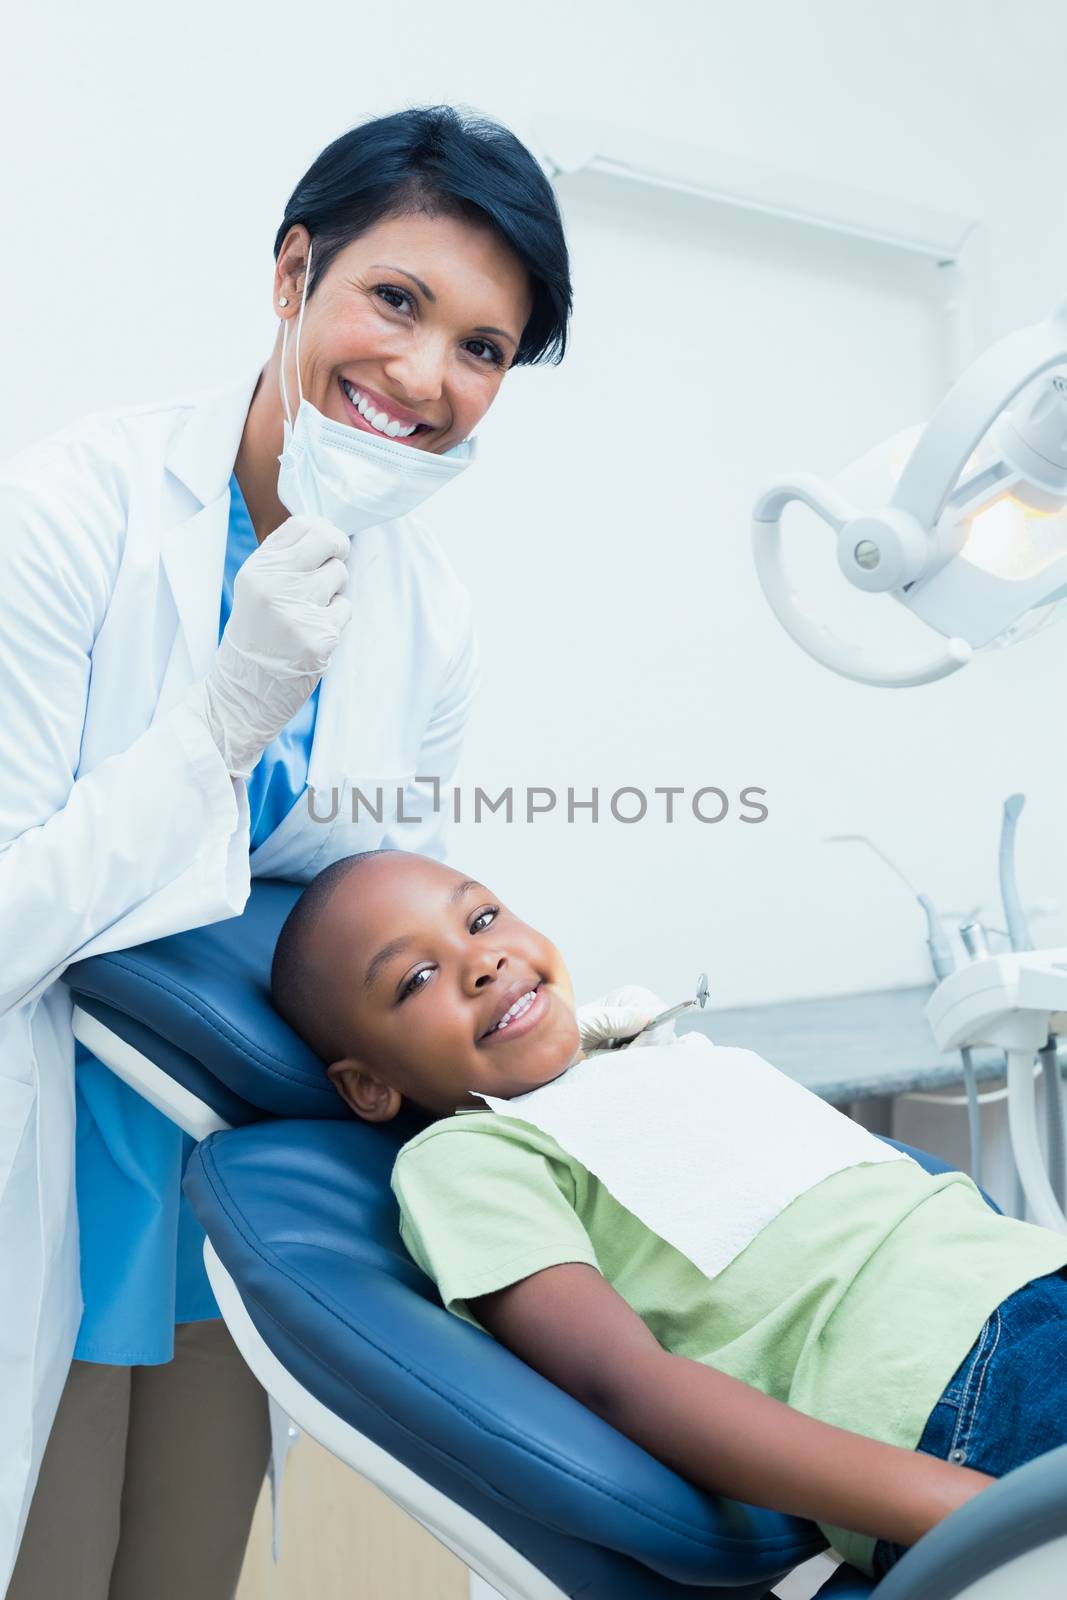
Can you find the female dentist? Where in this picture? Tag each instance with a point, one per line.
(169, 601)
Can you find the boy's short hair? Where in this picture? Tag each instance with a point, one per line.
(298, 985)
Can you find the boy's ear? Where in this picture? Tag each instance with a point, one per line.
(363, 1093)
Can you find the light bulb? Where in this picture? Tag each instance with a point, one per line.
(1011, 540)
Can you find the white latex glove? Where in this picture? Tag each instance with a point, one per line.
(620, 1013)
(288, 612)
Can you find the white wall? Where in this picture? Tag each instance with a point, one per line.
(147, 161)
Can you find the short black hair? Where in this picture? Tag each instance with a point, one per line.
(297, 985)
(439, 160)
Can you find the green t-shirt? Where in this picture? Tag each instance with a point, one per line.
(855, 1305)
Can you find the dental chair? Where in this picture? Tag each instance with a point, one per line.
(528, 1488)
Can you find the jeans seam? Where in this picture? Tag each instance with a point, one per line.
(965, 1387)
(965, 1417)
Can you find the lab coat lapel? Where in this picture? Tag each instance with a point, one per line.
(372, 708)
(193, 549)
(369, 722)
(193, 555)
(347, 694)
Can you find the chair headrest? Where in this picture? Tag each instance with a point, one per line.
(205, 994)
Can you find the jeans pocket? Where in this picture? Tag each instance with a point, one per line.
(951, 1424)
(968, 1387)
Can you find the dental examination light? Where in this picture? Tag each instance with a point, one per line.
(962, 522)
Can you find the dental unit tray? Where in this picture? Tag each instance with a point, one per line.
(531, 1490)
(1016, 1001)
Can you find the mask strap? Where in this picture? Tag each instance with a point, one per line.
(285, 344)
(281, 374)
(300, 320)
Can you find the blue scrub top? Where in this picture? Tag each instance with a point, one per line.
(142, 1265)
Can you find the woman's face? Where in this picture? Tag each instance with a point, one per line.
(419, 318)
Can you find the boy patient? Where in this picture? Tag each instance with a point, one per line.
(800, 1377)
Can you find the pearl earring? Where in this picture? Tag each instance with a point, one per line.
(283, 301)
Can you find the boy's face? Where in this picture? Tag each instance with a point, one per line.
(423, 965)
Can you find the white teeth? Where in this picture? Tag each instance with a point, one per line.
(521, 1005)
(377, 419)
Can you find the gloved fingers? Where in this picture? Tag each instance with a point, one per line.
(622, 1020)
(287, 533)
(324, 582)
(339, 612)
(321, 543)
(663, 1034)
(308, 542)
(596, 1025)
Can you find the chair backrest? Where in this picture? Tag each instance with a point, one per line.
(198, 1004)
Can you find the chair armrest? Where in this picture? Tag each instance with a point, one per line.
(846, 1584)
(1020, 1512)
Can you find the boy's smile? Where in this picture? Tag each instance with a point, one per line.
(528, 1007)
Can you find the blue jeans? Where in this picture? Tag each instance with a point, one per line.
(1007, 1400)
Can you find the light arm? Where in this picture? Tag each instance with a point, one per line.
(812, 636)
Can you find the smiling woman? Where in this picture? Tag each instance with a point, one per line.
(438, 262)
(190, 640)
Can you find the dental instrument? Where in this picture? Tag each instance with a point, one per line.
(962, 521)
(700, 999)
(1018, 927)
(1019, 935)
(943, 962)
(997, 1001)
(1010, 1001)
(974, 938)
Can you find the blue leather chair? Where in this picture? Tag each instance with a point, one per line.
(530, 1489)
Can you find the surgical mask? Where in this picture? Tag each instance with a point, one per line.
(355, 480)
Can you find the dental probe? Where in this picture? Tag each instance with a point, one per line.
(701, 1000)
(1018, 929)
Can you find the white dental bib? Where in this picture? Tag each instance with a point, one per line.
(705, 1144)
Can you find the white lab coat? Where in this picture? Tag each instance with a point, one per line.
(118, 820)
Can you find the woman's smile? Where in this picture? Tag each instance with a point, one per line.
(375, 414)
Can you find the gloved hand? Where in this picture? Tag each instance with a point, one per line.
(288, 612)
(618, 1014)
